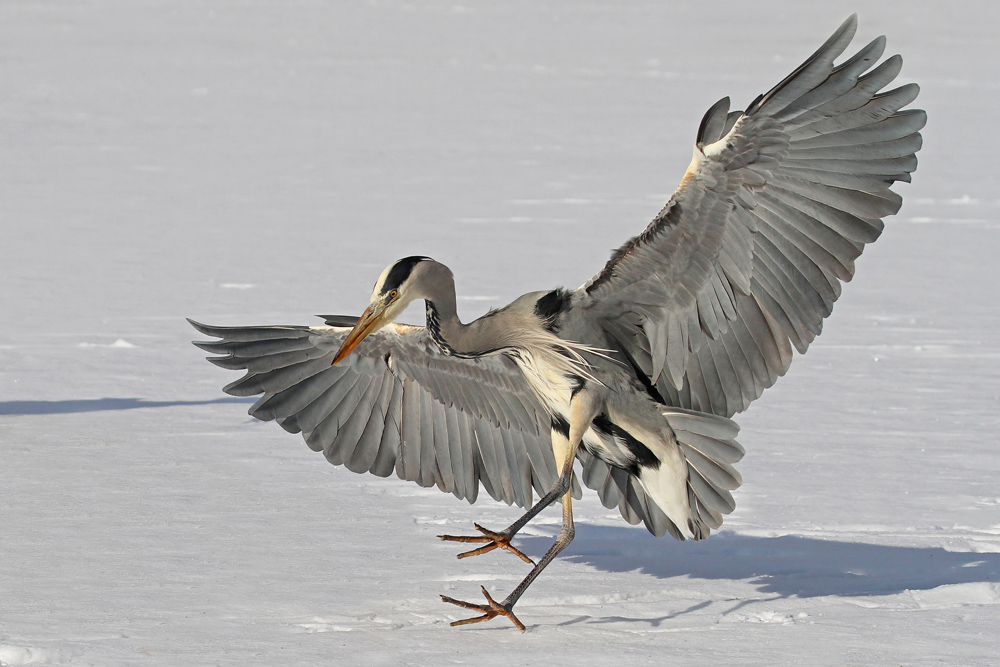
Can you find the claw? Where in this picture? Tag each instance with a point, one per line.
(492, 541)
(490, 610)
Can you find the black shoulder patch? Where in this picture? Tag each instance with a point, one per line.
(550, 306)
(400, 271)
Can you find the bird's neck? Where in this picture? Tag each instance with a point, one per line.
(442, 315)
(450, 334)
(445, 327)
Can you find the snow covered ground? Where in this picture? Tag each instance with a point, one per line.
(252, 163)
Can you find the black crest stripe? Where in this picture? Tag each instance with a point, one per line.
(400, 271)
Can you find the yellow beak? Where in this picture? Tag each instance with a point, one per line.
(370, 320)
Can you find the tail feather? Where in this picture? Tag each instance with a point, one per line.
(710, 449)
(708, 446)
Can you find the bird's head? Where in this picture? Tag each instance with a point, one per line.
(394, 290)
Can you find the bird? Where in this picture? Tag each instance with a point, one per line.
(635, 376)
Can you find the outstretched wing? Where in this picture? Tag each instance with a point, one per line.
(396, 404)
(748, 256)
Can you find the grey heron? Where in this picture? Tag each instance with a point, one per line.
(636, 374)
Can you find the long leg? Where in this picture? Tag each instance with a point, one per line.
(493, 539)
(582, 410)
(492, 608)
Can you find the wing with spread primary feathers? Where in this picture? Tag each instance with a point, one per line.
(396, 404)
(748, 256)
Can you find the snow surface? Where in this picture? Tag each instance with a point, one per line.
(252, 163)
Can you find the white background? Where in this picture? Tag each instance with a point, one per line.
(258, 163)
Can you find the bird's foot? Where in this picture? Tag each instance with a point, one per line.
(490, 610)
(491, 541)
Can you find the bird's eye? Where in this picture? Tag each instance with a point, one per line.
(393, 294)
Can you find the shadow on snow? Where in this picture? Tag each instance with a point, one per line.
(786, 566)
(98, 404)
